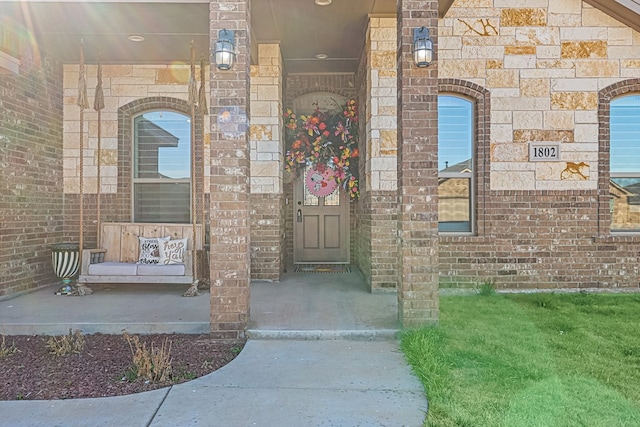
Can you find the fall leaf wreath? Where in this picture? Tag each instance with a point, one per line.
(327, 144)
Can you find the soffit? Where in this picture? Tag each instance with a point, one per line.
(302, 28)
(625, 11)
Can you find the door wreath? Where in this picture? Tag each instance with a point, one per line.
(328, 143)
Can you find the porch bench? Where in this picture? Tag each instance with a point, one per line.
(117, 260)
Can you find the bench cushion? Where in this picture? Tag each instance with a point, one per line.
(112, 269)
(161, 270)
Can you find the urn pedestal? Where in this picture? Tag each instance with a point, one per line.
(65, 259)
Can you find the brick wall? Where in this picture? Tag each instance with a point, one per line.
(541, 240)
(361, 242)
(267, 229)
(31, 196)
(384, 238)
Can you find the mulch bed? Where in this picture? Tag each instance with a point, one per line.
(32, 372)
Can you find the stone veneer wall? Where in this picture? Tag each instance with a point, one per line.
(376, 238)
(544, 64)
(295, 86)
(31, 196)
(128, 90)
(267, 148)
(382, 143)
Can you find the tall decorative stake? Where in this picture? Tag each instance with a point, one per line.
(193, 99)
(98, 105)
(83, 103)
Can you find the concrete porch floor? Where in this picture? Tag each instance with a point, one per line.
(321, 305)
(300, 306)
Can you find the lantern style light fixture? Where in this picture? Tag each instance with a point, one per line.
(422, 47)
(224, 53)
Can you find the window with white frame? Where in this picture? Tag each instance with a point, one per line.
(455, 164)
(162, 167)
(624, 164)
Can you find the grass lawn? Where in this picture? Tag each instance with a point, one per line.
(531, 360)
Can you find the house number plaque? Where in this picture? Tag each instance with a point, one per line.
(544, 151)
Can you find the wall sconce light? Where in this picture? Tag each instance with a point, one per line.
(422, 47)
(224, 53)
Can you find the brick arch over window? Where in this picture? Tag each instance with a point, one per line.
(298, 85)
(126, 113)
(482, 104)
(605, 96)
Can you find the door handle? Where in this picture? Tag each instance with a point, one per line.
(299, 215)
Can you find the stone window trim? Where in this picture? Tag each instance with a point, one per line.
(126, 113)
(605, 95)
(481, 98)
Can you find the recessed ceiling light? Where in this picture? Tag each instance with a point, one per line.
(136, 38)
(322, 56)
(323, 2)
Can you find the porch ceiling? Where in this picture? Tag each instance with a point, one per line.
(303, 29)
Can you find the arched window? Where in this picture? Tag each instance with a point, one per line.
(162, 167)
(624, 163)
(455, 164)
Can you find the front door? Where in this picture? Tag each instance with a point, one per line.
(321, 226)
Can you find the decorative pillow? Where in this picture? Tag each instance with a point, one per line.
(149, 250)
(172, 251)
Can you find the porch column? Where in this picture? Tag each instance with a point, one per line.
(381, 153)
(229, 217)
(267, 151)
(417, 169)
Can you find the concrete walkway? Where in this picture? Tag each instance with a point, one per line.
(330, 360)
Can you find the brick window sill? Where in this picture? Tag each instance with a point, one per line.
(466, 238)
(617, 238)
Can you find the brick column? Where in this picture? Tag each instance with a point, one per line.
(229, 259)
(417, 170)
